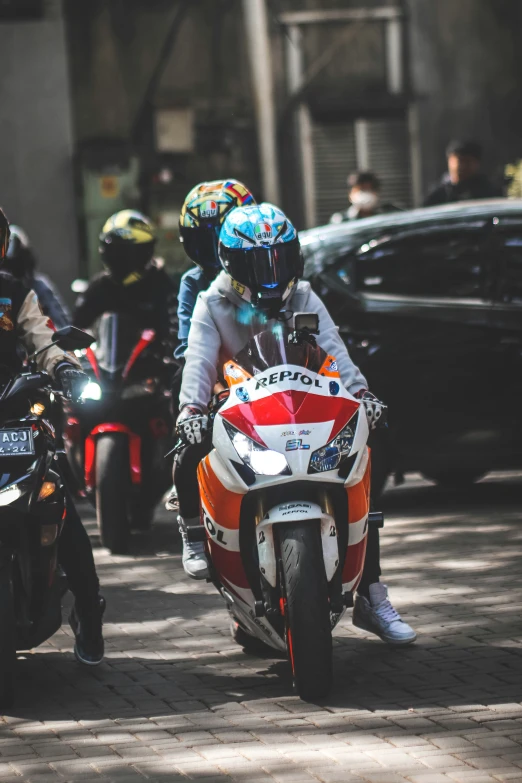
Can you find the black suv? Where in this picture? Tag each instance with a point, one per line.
(429, 303)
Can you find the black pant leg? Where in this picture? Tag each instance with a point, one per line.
(186, 478)
(76, 558)
(372, 562)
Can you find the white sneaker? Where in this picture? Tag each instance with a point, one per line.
(194, 559)
(379, 617)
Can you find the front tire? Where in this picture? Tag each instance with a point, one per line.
(7, 639)
(309, 633)
(113, 487)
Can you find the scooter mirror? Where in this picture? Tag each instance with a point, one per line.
(70, 338)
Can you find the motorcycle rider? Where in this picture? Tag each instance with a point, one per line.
(20, 261)
(131, 282)
(21, 318)
(202, 216)
(262, 265)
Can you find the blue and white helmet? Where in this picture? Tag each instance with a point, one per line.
(259, 249)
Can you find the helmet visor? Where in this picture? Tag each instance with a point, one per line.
(262, 268)
(124, 258)
(201, 245)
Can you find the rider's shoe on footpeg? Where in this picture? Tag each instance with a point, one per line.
(378, 616)
(194, 558)
(86, 623)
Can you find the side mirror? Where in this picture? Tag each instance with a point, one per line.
(72, 339)
(79, 286)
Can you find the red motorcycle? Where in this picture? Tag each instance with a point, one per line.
(285, 499)
(116, 440)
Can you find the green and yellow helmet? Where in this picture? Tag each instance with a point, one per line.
(127, 245)
(202, 215)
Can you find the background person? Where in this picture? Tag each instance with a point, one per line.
(464, 179)
(21, 262)
(364, 195)
(131, 283)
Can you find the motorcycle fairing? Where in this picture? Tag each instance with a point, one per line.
(90, 452)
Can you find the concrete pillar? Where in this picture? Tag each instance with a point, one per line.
(36, 142)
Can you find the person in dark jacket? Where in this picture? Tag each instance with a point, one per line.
(22, 321)
(464, 179)
(132, 284)
(364, 195)
(20, 261)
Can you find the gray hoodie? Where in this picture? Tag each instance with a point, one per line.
(223, 323)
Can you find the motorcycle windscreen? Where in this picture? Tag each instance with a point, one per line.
(271, 348)
(117, 338)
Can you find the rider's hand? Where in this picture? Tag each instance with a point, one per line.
(71, 380)
(376, 411)
(191, 425)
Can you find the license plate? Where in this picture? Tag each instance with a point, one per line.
(13, 442)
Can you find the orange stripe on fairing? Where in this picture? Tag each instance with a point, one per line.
(358, 508)
(359, 496)
(228, 565)
(354, 562)
(224, 505)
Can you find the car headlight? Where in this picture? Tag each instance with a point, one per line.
(330, 456)
(92, 391)
(263, 461)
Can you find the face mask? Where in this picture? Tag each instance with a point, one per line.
(364, 199)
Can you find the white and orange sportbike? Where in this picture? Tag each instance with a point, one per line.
(285, 496)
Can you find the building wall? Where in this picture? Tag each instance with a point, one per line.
(36, 144)
(466, 65)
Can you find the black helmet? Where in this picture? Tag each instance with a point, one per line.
(127, 245)
(19, 259)
(260, 250)
(202, 215)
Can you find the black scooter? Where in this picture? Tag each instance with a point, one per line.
(33, 510)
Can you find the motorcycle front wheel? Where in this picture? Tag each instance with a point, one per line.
(113, 488)
(307, 609)
(7, 639)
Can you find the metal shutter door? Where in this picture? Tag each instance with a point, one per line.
(389, 158)
(334, 159)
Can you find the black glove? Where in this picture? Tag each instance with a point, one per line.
(71, 380)
(191, 425)
(376, 411)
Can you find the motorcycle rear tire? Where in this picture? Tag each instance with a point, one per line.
(309, 634)
(113, 487)
(7, 640)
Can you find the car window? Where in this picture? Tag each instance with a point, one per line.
(438, 264)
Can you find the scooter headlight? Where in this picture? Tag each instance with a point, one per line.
(329, 457)
(263, 461)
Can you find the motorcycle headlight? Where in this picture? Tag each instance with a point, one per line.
(329, 457)
(263, 461)
(92, 391)
(10, 494)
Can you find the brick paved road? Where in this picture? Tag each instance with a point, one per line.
(177, 700)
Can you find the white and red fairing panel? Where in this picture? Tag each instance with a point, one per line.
(278, 408)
